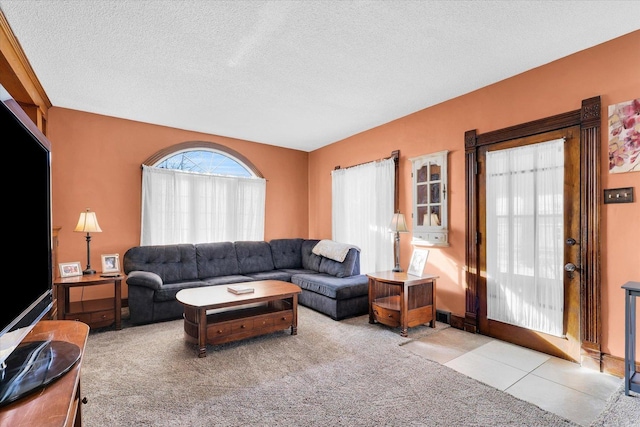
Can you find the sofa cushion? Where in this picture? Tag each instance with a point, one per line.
(292, 271)
(216, 259)
(310, 261)
(339, 269)
(286, 253)
(331, 286)
(173, 263)
(254, 257)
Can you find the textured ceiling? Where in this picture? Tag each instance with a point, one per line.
(295, 74)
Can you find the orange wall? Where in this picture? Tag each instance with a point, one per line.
(555, 88)
(96, 163)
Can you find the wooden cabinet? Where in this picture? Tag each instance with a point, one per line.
(58, 403)
(430, 210)
(398, 299)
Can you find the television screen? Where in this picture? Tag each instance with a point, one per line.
(27, 276)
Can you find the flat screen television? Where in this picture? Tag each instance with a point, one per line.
(27, 296)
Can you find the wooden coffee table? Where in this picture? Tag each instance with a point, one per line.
(213, 315)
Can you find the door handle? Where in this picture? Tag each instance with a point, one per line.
(571, 268)
(571, 241)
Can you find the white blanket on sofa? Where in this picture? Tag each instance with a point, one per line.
(332, 250)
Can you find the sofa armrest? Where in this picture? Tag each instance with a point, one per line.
(144, 278)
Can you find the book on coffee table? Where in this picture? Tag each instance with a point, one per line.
(240, 289)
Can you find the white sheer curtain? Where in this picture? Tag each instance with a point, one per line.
(187, 207)
(362, 208)
(525, 230)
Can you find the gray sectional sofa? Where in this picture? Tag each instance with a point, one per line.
(156, 273)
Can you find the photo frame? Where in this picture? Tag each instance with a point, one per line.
(70, 269)
(110, 263)
(418, 261)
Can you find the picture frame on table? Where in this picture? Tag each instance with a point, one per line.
(418, 261)
(110, 263)
(70, 269)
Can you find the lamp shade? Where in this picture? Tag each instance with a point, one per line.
(88, 223)
(431, 219)
(398, 224)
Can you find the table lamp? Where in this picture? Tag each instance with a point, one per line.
(398, 225)
(88, 223)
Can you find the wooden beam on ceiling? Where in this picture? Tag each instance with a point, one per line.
(19, 79)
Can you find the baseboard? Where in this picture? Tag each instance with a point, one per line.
(614, 365)
(456, 322)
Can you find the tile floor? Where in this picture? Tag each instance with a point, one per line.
(556, 385)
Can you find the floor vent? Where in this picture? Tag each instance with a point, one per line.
(443, 316)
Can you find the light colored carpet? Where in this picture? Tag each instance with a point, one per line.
(347, 373)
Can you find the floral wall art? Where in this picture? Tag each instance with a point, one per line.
(624, 137)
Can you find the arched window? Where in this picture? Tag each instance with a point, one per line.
(197, 192)
(205, 161)
(215, 159)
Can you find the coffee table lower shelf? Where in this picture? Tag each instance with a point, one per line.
(240, 323)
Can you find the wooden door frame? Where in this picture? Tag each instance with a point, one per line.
(588, 118)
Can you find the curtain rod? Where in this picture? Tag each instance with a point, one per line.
(394, 155)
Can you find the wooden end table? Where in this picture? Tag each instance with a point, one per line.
(400, 299)
(96, 313)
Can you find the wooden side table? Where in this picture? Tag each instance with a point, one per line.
(631, 376)
(96, 313)
(399, 299)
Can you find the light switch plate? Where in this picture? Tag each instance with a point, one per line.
(618, 195)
